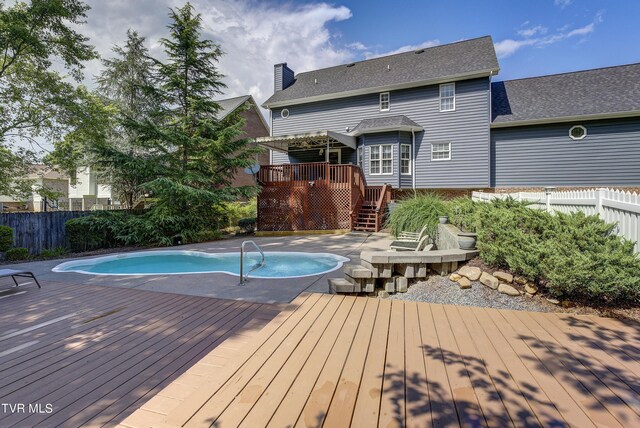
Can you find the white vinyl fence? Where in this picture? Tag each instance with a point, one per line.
(614, 206)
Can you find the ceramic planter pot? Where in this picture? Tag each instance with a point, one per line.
(467, 241)
(443, 219)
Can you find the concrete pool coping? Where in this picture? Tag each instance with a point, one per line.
(225, 286)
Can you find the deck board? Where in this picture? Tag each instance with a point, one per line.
(342, 361)
(99, 353)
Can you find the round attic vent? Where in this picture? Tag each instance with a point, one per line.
(419, 51)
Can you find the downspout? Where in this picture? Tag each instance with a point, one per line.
(413, 161)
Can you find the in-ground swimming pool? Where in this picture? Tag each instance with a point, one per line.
(172, 262)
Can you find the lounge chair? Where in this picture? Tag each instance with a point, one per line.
(412, 236)
(5, 273)
(421, 245)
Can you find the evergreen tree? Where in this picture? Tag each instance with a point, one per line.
(196, 153)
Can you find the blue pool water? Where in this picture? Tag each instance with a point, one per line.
(277, 264)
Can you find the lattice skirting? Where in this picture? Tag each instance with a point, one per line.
(304, 208)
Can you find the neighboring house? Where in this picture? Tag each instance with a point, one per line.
(86, 193)
(44, 179)
(255, 126)
(432, 119)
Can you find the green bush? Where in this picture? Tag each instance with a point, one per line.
(17, 254)
(233, 212)
(82, 234)
(207, 235)
(53, 252)
(412, 214)
(248, 224)
(575, 256)
(6, 238)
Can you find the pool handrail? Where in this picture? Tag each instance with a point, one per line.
(243, 278)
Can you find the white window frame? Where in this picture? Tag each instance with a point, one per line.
(433, 151)
(388, 101)
(410, 159)
(577, 138)
(380, 159)
(453, 97)
(360, 156)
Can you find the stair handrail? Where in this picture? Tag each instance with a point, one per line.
(359, 188)
(381, 205)
(244, 278)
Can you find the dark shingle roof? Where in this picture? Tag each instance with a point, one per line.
(386, 123)
(229, 105)
(430, 64)
(582, 93)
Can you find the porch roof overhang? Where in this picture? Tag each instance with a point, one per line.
(307, 140)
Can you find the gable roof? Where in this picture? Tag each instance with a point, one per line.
(465, 59)
(601, 92)
(382, 124)
(229, 105)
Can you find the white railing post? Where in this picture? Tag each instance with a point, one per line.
(600, 194)
(547, 191)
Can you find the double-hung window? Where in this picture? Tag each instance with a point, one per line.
(405, 159)
(440, 151)
(381, 159)
(385, 101)
(447, 97)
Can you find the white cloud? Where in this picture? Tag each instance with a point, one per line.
(254, 36)
(405, 48)
(508, 47)
(562, 3)
(532, 31)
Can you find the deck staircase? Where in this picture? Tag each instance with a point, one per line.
(366, 220)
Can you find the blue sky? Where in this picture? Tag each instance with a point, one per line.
(532, 38)
(606, 32)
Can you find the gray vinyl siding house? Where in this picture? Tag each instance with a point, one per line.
(490, 135)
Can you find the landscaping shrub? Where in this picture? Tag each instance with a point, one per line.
(248, 224)
(53, 252)
(574, 256)
(412, 214)
(17, 254)
(233, 212)
(83, 235)
(207, 235)
(6, 238)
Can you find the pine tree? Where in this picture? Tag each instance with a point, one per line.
(198, 153)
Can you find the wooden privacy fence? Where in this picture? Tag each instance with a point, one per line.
(613, 206)
(39, 231)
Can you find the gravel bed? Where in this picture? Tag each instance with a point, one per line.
(439, 289)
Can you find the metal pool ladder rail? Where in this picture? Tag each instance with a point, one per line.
(243, 277)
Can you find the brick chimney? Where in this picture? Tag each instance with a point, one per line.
(283, 76)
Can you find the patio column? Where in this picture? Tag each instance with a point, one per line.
(326, 152)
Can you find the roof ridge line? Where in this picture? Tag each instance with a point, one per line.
(395, 54)
(567, 72)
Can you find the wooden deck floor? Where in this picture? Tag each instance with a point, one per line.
(95, 354)
(337, 361)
